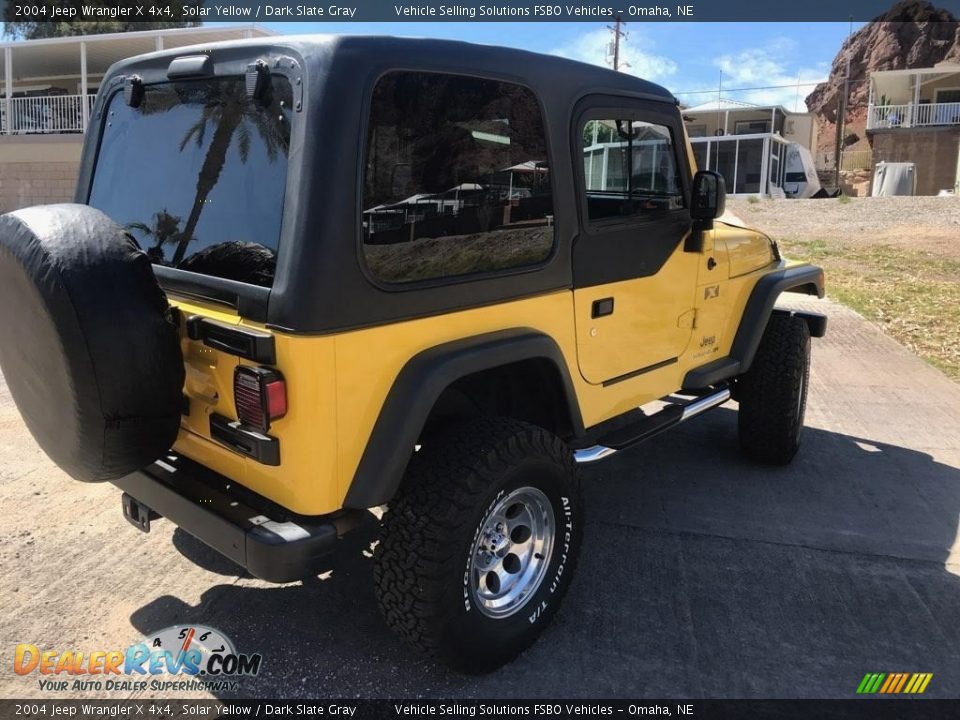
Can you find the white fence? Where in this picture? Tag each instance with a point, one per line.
(45, 114)
(923, 115)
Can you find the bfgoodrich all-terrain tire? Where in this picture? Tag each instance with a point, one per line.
(88, 346)
(773, 393)
(479, 545)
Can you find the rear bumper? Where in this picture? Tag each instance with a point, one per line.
(270, 543)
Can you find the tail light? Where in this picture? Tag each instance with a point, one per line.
(260, 395)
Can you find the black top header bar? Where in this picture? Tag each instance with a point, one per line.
(457, 10)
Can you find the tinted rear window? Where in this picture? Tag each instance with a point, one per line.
(196, 173)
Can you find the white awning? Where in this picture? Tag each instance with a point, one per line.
(530, 166)
(43, 62)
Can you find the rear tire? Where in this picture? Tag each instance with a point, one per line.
(479, 545)
(773, 393)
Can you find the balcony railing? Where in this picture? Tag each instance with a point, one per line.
(44, 114)
(906, 116)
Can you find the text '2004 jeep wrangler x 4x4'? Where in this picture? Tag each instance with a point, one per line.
(310, 277)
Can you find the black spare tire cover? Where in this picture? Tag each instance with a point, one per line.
(88, 345)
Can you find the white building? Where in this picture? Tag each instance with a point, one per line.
(48, 88)
(747, 143)
(920, 97)
(914, 116)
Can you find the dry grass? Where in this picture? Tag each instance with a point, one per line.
(913, 294)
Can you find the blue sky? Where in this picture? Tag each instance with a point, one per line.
(683, 57)
(680, 56)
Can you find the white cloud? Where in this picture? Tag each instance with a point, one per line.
(591, 47)
(764, 67)
(768, 65)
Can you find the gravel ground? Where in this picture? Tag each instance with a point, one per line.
(895, 260)
(924, 223)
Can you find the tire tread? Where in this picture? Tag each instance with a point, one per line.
(444, 485)
(769, 393)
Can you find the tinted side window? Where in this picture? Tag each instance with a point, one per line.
(630, 168)
(456, 180)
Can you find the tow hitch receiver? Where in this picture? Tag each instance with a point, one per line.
(137, 513)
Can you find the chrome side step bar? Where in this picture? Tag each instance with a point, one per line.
(707, 402)
(678, 413)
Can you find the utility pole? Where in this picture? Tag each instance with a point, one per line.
(613, 50)
(721, 129)
(720, 101)
(842, 112)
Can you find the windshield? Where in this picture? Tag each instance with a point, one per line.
(196, 173)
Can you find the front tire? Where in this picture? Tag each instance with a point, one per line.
(773, 393)
(480, 543)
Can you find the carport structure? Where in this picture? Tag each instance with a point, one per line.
(49, 84)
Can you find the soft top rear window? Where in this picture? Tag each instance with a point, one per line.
(196, 173)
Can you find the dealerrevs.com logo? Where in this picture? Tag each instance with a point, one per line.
(178, 658)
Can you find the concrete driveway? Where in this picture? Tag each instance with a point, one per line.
(702, 575)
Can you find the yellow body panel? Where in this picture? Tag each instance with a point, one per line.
(722, 293)
(645, 327)
(209, 373)
(747, 249)
(304, 482)
(337, 383)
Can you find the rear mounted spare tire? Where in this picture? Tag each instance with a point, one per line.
(88, 344)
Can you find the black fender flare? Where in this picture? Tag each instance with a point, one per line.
(806, 279)
(416, 389)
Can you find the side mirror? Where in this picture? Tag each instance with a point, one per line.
(709, 195)
(707, 204)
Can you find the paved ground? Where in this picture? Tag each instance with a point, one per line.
(701, 576)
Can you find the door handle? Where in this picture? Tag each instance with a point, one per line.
(602, 307)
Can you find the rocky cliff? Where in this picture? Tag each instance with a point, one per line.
(912, 34)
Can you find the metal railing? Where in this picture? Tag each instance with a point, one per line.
(44, 114)
(856, 159)
(923, 115)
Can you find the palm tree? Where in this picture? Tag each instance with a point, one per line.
(164, 229)
(232, 114)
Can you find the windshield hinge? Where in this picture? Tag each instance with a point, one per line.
(293, 72)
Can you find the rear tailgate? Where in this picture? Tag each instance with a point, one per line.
(304, 478)
(208, 389)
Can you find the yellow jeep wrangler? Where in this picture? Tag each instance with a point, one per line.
(307, 278)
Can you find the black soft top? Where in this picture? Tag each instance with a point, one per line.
(540, 72)
(321, 284)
